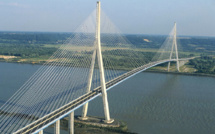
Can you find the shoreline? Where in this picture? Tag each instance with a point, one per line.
(149, 70)
(181, 73)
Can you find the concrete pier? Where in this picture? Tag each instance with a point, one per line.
(71, 123)
(57, 127)
(41, 132)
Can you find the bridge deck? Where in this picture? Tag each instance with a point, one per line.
(68, 108)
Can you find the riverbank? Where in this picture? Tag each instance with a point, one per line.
(180, 73)
(154, 69)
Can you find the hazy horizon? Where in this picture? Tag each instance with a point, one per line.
(106, 33)
(149, 17)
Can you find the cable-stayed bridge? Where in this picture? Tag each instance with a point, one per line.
(79, 72)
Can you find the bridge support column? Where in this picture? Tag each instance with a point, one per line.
(71, 123)
(170, 57)
(101, 69)
(174, 45)
(97, 52)
(85, 107)
(57, 127)
(41, 132)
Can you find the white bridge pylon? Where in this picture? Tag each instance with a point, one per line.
(59, 87)
(97, 51)
(174, 45)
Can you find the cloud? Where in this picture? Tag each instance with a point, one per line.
(14, 4)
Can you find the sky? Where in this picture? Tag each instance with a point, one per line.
(156, 17)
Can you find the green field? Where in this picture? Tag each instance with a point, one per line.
(36, 48)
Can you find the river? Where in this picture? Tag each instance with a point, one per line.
(150, 103)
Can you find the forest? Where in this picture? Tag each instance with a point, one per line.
(42, 45)
(204, 64)
(30, 44)
(26, 43)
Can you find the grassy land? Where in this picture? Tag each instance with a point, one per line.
(42, 58)
(36, 48)
(74, 48)
(187, 68)
(119, 61)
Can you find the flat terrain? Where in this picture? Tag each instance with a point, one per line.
(36, 48)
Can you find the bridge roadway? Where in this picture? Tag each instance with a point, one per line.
(63, 111)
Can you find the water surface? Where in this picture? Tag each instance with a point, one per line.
(150, 103)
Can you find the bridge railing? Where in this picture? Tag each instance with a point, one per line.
(49, 119)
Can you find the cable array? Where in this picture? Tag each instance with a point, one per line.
(164, 51)
(63, 77)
